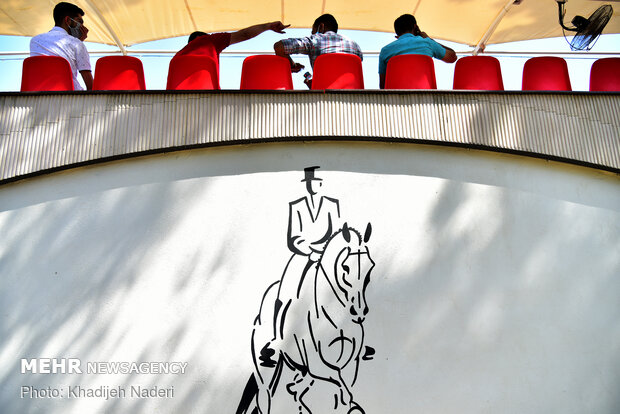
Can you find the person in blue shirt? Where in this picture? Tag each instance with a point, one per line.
(411, 40)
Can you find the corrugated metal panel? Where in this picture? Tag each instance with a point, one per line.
(51, 131)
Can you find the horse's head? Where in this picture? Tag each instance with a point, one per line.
(352, 264)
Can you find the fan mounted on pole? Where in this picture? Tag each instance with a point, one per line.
(587, 30)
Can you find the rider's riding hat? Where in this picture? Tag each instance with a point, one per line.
(309, 174)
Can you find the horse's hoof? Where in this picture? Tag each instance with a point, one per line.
(355, 409)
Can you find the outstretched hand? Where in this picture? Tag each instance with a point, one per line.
(278, 27)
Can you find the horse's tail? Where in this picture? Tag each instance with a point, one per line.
(249, 396)
(266, 310)
(262, 334)
(264, 329)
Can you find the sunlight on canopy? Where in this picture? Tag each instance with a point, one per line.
(472, 22)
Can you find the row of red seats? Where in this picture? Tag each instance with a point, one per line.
(331, 71)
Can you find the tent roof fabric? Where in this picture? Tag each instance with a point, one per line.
(463, 21)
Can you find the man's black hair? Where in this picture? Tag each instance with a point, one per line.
(64, 9)
(404, 24)
(195, 35)
(331, 25)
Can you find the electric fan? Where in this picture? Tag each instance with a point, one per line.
(588, 30)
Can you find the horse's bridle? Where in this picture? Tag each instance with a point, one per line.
(357, 253)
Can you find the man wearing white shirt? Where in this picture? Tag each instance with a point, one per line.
(66, 40)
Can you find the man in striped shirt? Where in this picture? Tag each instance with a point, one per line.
(324, 39)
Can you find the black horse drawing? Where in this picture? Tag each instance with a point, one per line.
(321, 334)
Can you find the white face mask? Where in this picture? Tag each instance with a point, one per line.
(75, 31)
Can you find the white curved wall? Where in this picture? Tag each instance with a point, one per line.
(495, 289)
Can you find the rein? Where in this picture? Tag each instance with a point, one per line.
(336, 289)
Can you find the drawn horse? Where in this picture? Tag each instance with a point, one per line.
(321, 335)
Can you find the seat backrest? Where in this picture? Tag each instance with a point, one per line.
(478, 73)
(605, 75)
(410, 72)
(46, 73)
(338, 71)
(193, 72)
(546, 73)
(266, 72)
(119, 73)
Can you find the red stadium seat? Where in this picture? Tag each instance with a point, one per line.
(46, 73)
(605, 75)
(410, 72)
(338, 71)
(546, 73)
(119, 73)
(266, 72)
(193, 72)
(478, 73)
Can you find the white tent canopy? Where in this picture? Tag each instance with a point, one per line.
(472, 22)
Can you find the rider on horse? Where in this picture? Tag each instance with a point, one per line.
(312, 221)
